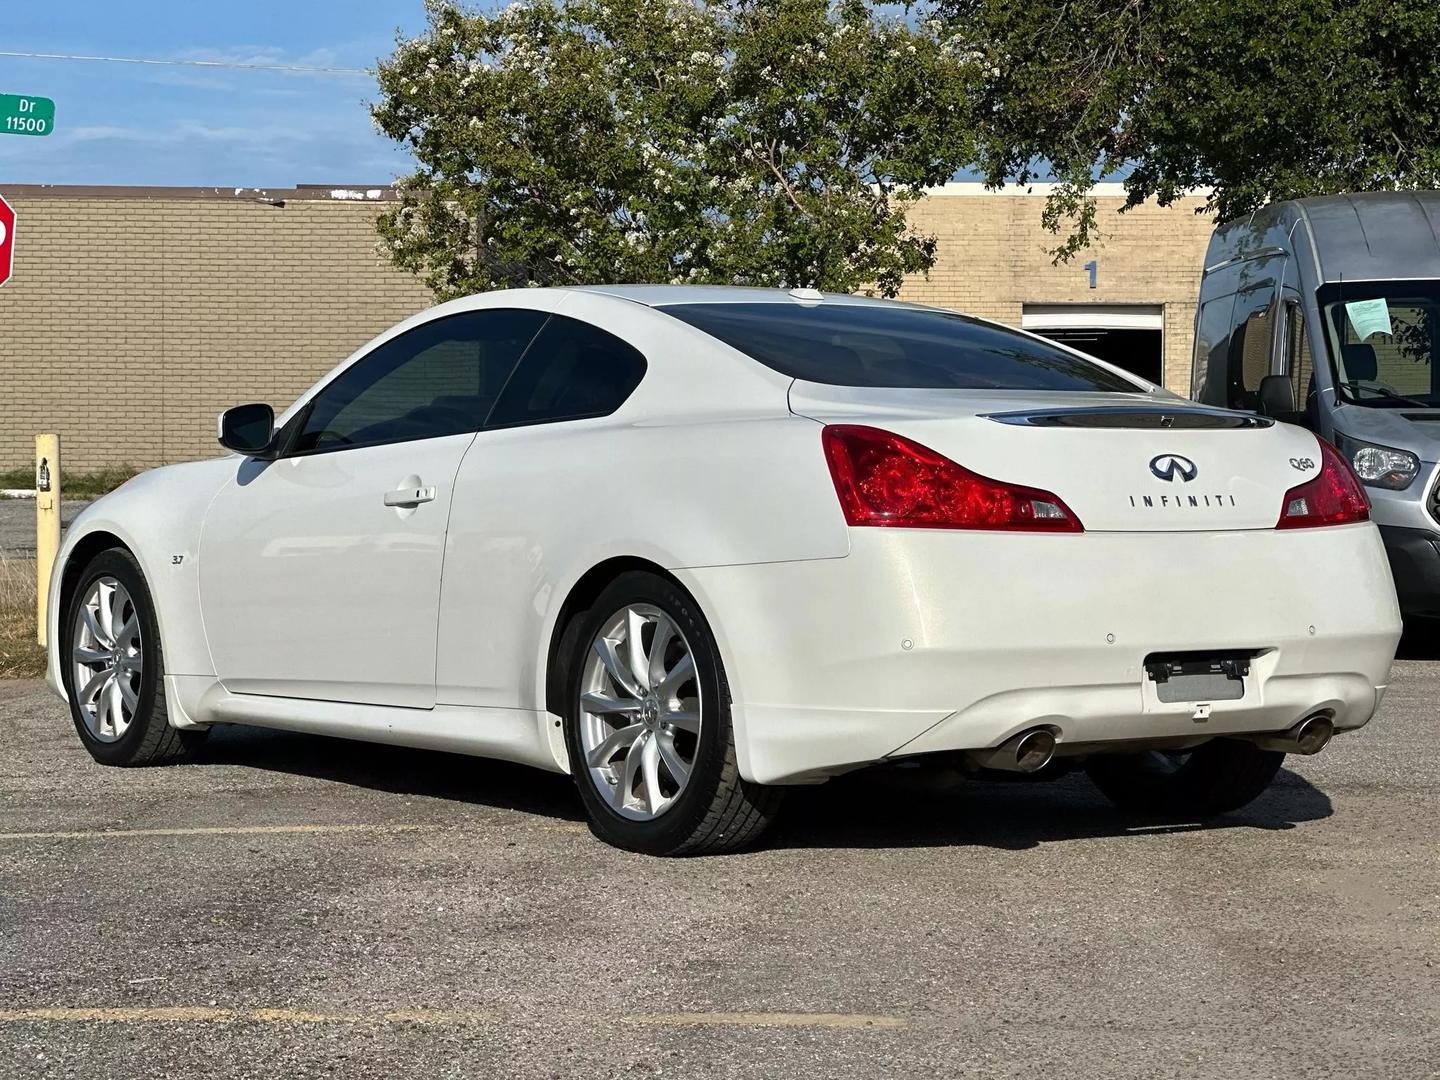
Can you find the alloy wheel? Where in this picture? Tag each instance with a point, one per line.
(640, 712)
(107, 657)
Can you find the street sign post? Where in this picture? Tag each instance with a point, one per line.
(24, 114)
(7, 240)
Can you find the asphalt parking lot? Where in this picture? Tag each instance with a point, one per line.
(17, 523)
(293, 906)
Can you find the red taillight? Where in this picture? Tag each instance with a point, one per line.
(886, 479)
(1335, 497)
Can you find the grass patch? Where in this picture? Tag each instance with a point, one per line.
(73, 485)
(20, 656)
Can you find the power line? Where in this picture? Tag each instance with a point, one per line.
(193, 63)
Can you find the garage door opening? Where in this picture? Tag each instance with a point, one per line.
(1130, 336)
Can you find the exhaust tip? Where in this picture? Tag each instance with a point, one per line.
(1313, 734)
(1034, 750)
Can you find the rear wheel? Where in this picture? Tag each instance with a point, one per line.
(648, 731)
(113, 670)
(1221, 775)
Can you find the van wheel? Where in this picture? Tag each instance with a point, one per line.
(113, 670)
(648, 728)
(1219, 776)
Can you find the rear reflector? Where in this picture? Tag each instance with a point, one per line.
(886, 479)
(1335, 497)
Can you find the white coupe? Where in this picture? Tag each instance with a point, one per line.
(692, 545)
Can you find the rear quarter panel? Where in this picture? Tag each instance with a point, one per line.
(704, 465)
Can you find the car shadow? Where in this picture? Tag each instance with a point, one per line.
(886, 807)
(397, 770)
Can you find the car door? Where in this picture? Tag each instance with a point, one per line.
(320, 570)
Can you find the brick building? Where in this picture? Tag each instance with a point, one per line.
(136, 314)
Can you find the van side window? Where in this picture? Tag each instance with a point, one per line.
(1298, 364)
(1212, 334)
(1250, 347)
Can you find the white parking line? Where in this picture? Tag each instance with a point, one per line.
(219, 830)
(183, 1014)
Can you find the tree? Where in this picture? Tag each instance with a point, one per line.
(1255, 99)
(729, 141)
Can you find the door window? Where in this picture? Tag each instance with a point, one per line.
(1298, 364)
(1251, 344)
(441, 378)
(573, 370)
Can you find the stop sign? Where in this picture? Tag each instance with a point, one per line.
(7, 240)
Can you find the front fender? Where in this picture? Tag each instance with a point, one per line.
(157, 517)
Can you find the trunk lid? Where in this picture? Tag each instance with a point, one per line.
(1122, 462)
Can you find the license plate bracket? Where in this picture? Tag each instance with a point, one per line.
(1199, 676)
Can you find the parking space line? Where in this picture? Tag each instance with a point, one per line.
(763, 1020)
(217, 830)
(174, 1014)
(435, 1017)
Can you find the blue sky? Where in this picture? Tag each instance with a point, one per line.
(123, 124)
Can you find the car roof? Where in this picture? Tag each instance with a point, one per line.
(658, 296)
(1362, 236)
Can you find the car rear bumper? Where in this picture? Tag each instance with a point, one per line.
(925, 641)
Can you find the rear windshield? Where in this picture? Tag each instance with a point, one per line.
(861, 345)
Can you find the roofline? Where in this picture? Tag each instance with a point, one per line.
(361, 193)
(388, 192)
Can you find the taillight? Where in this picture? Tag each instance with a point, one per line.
(886, 479)
(1335, 497)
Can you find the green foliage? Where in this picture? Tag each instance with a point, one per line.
(731, 142)
(86, 485)
(1256, 99)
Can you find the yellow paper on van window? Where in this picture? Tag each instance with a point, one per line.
(1369, 317)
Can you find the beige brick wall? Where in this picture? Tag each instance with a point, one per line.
(992, 261)
(132, 320)
(135, 316)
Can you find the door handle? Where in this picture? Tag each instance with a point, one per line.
(410, 496)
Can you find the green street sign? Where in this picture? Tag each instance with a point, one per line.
(23, 115)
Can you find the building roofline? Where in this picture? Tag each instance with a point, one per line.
(299, 193)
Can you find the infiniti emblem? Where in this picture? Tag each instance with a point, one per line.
(1173, 467)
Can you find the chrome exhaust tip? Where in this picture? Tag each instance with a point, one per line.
(1309, 736)
(1313, 734)
(1028, 752)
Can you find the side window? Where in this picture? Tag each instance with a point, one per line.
(1298, 364)
(1250, 346)
(441, 378)
(1212, 336)
(572, 370)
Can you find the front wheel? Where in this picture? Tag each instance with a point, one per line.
(1216, 777)
(112, 667)
(648, 727)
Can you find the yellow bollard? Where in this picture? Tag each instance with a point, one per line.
(47, 523)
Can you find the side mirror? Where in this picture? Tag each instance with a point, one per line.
(248, 429)
(1277, 398)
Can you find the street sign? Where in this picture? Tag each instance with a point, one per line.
(7, 240)
(25, 115)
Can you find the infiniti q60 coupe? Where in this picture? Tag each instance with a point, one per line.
(693, 545)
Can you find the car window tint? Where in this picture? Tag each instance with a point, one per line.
(572, 370)
(1250, 346)
(441, 378)
(863, 345)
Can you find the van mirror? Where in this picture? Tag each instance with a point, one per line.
(1277, 398)
(248, 429)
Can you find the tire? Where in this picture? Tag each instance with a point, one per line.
(147, 737)
(714, 809)
(1217, 777)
